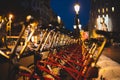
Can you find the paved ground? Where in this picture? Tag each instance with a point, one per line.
(110, 70)
(113, 52)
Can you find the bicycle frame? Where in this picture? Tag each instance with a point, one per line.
(15, 55)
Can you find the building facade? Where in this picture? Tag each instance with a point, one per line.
(40, 9)
(43, 9)
(107, 12)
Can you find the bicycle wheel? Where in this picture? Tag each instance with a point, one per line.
(19, 73)
(34, 75)
(13, 72)
(42, 75)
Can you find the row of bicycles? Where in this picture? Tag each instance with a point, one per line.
(57, 56)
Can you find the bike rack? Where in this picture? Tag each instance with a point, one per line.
(64, 53)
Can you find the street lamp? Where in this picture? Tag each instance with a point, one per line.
(77, 22)
(58, 19)
(9, 24)
(59, 22)
(28, 18)
(77, 8)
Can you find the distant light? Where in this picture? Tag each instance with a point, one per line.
(74, 26)
(10, 16)
(103, 16)
(98, 16)
(98, 10)
(78, 20)
(80, 26)
(107, 15)
(59, 19)
(64, 27)
(50, 25)
(106, 9)
(28, 17)
(71, 36)
(113, 9)
(103, 10)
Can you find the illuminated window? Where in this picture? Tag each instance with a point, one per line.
(103, 10)
(98, 16)
(103, 16)
(99, 10)
(113, 9)
(106, 9)
(107, 15)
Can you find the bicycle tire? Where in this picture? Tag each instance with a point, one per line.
(16, 73)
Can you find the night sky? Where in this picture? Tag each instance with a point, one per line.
(65, 9)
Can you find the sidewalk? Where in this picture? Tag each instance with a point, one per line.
(110, 70)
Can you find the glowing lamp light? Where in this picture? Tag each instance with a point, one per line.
(29, 16)
(80, 26)
(74, 26)
(10, 16)
(77, 8)
(59, 19)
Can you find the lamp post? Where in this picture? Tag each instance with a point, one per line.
(77, 8)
